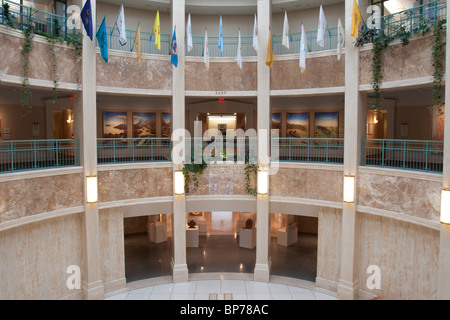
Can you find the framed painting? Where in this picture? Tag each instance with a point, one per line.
(297, 125)
(166, 125)
(326, 125)
(144, 124)
(114, 124)
(276, 121)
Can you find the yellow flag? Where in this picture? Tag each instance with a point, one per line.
(356, 19)
(269, 59)
(157, 31)
(137, 43)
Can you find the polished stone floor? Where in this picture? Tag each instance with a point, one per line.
(219, 253)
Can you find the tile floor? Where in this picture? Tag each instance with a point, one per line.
(240, 289)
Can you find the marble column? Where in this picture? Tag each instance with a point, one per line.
(179, 265)
(355, 119)
(85, 130)
(443, 292)
(262, 266)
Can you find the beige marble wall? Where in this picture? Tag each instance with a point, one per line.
(321, 72)
(112, 248)
(221, 76)
(407, 255)
(134, 184)
(34, 259)
(27, 197)
(316, 184)
(329, 244)
(124, 72)
(41, 59)
(410, 196)
(400, 62)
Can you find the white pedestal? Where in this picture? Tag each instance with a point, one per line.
(192, 237)
(287, 236)
(158, 232)
(247, 238)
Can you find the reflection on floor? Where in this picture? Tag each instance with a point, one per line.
(219, 253)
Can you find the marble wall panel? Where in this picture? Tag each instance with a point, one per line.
(321, 72)
(407, 255)
(415, 197)
(400, 62)
(125, 72)
(307, 183)
(116, 185)
(27, 197)
(34, 259)
(41, 60)
(221, 76)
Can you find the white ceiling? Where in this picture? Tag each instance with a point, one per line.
(223, 6)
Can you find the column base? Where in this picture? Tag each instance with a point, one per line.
(93, 290)
(262, 271)
(347, 290)
(180, 272)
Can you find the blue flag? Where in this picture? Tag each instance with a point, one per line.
(174, 55)
(102, 40)
(220, 35)
(86, 17)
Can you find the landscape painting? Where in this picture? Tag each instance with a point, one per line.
(276, 121)
(297, 125)
(326, 125)
(166, 126)
(144, 124)
(114, 124)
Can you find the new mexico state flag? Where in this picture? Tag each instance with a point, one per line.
(157, 31)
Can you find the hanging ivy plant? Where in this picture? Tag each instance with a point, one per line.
(193, 169)
(25, 89)
(51, 42)
(250, 170)
(438, 64)
(8, 21)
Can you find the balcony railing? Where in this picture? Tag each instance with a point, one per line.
(38, 154)
(403, 154)
(319, 150)
(113, 151)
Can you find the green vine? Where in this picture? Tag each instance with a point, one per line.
(438, 64)
(25, 89)
(7, 15)
(249, 169)
(193, 169)
(51, 42)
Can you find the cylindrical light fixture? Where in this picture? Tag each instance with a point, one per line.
(263, 182)
(179, 182)
(349, 189)
(445, 205)
(91, 189)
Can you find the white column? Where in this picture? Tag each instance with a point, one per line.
(443, 291)
(354, 123)
(179, 265)
(262, 267)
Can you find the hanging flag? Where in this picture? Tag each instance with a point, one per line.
(269, 58)
(285, 41)
(239, 51)
(302, 58)
(189, 34)
(120, 24)
(137, 43)
(321, 28)
(206, 50)
(220, 35)
(356, 19)
(174, 55)
(340, 39)
(102, 40)
(157, 31)
(86, 17)
(255, 35)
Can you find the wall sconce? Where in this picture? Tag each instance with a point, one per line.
(91, 189)
(445, 206)
(263, 182)
(179, 182)
(349, 189)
